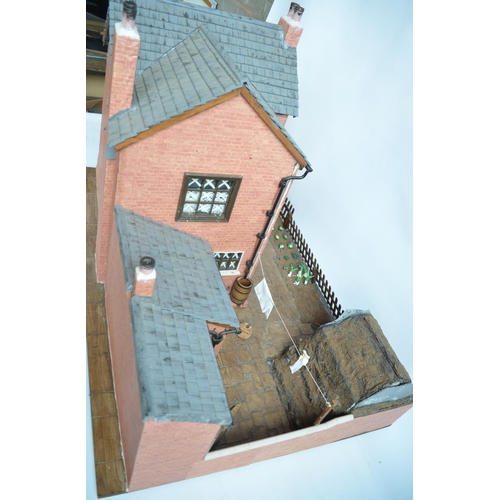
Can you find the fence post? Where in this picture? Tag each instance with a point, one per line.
(287, 211)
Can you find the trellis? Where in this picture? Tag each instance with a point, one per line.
(289, 224)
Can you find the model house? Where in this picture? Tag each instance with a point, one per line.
(193, 128)
(194, 165)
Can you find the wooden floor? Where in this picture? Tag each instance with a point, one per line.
(110, 472)
(244, 364)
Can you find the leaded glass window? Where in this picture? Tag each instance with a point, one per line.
(207, 197)
(228, 261)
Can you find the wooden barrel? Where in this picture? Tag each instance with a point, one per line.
(241, 290)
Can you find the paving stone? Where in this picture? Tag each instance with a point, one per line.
(226, 378)
(272, 419)
(243, 356)
(256, 351)
(259, 384)
(244, 431)
(233, 435)
(229, 344)
(243, 412)
(254, 400)
(242, 345)
(232, 394)
(259, 433)
(249, 368)
(258, 419)
(267, 379)
(246, 387)
(271, 398)
(228, 358)
(236, 374)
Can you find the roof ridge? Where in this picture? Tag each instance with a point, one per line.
(228, 59)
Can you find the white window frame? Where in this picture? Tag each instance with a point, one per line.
(232, 272)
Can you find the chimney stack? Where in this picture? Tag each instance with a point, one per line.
(291, 24)
(145, 276)
(128, 14)
(124, 62)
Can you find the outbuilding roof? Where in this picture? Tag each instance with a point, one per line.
(257, 47)
(178, 373)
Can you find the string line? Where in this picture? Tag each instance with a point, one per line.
(293, 342)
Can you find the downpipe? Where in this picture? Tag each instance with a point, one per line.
(270, 214)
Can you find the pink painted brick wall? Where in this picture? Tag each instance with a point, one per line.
(292, 33)
(168, 451)
(117, 95)
(227, 139)
(123, 355)
(355, 427)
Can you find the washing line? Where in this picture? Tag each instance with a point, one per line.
(293, 342)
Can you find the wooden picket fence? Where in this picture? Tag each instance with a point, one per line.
(319, 278)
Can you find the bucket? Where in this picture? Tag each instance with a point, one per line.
(241, 290)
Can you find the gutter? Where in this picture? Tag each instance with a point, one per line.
(270, 214)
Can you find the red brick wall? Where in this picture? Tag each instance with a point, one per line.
(282, 119)
(292, 33)
(355, 427)
(125, 54)
(168, 451)
(174, 451)
(103, 223)
(118, 89)
(227, 139)
(123, 355)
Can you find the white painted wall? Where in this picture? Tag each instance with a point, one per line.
(93, 132)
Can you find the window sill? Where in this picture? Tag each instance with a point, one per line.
(229, 273)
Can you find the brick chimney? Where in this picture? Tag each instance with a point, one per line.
(118, 91)
(145, 277)
(291, 24)
(124, 59)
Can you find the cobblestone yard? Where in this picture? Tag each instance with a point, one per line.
(244, 363)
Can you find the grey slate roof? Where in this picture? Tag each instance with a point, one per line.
(179, 378)
(178, 373)
(258, 48)
(194, 72)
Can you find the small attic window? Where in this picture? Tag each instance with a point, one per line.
(207, 198)
(228, 262)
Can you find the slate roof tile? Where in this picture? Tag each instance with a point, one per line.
(171, 21)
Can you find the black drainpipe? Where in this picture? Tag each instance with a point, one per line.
(270, 214)
(217, 338)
